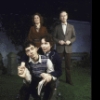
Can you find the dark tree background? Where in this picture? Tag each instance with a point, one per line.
(16, 27)
(15, 15)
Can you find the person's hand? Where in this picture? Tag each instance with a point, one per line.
(61, 42)
(46, 77)
(21, 70)
(68, 42)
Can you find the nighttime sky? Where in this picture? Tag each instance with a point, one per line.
(77, 9)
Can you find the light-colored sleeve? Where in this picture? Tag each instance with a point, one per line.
(50, 68)
(22, 63)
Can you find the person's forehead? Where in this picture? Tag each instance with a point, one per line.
(63, 13)
(44, 40)
(36, 16)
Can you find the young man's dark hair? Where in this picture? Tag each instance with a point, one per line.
(28, 43)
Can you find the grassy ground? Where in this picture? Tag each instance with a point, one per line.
(81, 90)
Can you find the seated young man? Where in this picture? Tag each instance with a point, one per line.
(37, 67)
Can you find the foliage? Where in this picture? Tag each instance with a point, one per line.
(16, 27)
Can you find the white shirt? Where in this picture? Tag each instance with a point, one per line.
(50, 67)
(47, 54)
(64, 26)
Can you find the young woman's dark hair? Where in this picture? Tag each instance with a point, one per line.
(41, 18)
(49, 38)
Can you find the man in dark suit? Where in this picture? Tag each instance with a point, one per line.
(64, 36)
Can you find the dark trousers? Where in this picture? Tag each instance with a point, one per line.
(49, 90)
(67, 57)
(29, 89)
(26, 90)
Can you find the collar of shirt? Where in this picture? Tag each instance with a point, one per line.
(37, 26)
(47, 54)
(64, 23)
(39, 61)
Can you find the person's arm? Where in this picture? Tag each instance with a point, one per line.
(73, 37)
(50, 69)
(47, 76)
(46, 31)
(24, 73)
(30, 35)
(55, 33)
(22, 63)
(57, 60)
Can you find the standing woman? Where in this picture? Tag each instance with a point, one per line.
(37, 30)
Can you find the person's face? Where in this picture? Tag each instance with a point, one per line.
(31, 51)
(63, 17)
(36, 19)
(46, 47)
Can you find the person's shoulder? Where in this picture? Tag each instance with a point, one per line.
(56, 57)
(70, 25)
(32, 27)
(58, 25)
(54, 53)
(43, 26)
